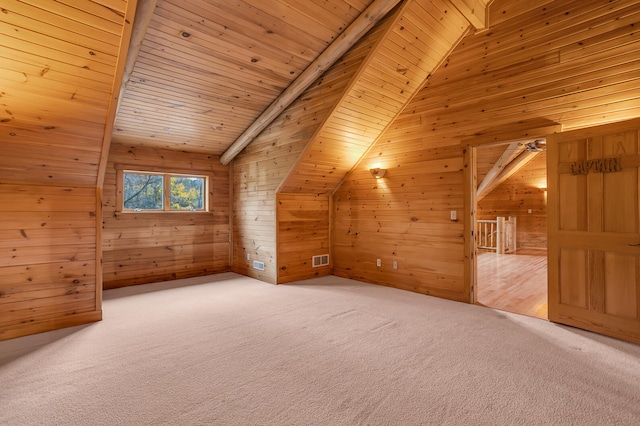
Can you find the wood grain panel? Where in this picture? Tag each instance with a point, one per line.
(621, 294)
(303, 232)
(402, 217)
(416, 41)
(149, 247)
(47, 258)
(574, 272)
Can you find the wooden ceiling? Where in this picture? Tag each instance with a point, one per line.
(415, 41)
(207, 69)
(58, 73)
(203, 72)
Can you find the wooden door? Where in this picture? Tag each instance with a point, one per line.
(594, 229)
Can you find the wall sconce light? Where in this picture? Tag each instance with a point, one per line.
(377, 172)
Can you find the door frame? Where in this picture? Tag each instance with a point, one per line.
(470, 207)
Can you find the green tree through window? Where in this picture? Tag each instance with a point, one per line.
(187, 193)
(143, 191)
(162, 191)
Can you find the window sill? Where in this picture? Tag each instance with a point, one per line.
(162, 214)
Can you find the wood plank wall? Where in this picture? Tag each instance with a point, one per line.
(47, 258)
(303, 232)
(570, 63)
(149, 247)
(403, 217)
(261, 167)
(525, 190)
(58, 68)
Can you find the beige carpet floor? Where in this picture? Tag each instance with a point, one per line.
(229, 350)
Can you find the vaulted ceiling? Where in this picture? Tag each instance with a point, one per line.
(204, 71)
(207, 69)
(194, 75)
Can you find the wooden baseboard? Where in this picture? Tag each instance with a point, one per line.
(169, 276)
(19, 330)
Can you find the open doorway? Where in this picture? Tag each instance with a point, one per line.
(510, 227)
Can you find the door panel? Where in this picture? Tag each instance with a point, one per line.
(621, 295)
(573, 215)
(618, 210)
(594, 229)
(573, 278)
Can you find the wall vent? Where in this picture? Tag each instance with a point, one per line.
(321, 260)
(258, 265)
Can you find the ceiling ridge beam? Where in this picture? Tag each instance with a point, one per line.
(358, 28)
(516, 164)
(512, 151)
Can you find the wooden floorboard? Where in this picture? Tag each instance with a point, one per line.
(514, 282)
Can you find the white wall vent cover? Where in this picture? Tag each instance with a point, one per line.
(258, 265)
(321, 260)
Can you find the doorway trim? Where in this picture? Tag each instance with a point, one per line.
(470, 207)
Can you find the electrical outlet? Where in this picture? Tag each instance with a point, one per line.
(395, 264)
(379, 262)
(248, 256)
(530, 211)
(454, 215)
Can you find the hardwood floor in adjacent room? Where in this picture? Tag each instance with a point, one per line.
(514, 282)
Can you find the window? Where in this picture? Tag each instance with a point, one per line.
(187, 192)
(143, 191)
(154, 191)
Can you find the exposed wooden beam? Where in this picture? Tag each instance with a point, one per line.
(144, 12)
(474, 10)
(374, 13)
(114, 102)
(507, 156)
(521, 160)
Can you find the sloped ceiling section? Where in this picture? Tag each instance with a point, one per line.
(415, 44)
(574, 71)
(58, 65)
(207, 69)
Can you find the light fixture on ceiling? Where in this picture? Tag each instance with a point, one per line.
(378, 172)
(535, 146)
